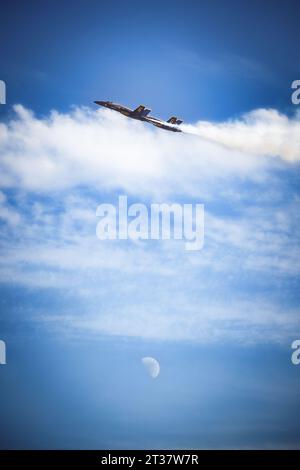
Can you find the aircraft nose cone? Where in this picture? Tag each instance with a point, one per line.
(101, 103)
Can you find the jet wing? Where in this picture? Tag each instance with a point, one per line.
(153, 119)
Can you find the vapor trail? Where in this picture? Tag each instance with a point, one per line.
(261, 132)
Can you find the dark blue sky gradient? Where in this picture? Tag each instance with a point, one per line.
(202, 60)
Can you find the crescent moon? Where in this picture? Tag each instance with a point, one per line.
(152, 366)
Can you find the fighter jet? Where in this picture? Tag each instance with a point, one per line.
(141, 113)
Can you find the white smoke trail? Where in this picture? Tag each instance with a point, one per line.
(260, 132)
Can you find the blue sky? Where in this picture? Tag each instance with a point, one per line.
(77, 313)
(207, 60)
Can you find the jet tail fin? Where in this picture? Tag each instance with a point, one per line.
(174, 120)
(141, 111)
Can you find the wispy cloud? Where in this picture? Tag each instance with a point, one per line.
(56, 170)
(230, 65)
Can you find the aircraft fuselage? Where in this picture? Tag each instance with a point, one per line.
(122, 109)
(141, 114)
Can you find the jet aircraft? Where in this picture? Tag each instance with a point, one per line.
(141, 113)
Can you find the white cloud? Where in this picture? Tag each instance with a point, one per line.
(106, 151)
(239, 322)
(7, 213)
(158, 290)
(54, 171)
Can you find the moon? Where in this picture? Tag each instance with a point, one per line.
(152, 366)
